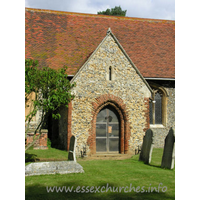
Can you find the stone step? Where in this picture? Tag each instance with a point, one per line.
(108, 157)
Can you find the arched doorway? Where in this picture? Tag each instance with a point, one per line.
(108, 130)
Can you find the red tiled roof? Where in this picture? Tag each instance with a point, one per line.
(58, 38)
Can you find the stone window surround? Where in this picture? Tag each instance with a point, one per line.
(164, 93)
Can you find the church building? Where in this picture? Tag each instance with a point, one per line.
(124, 70)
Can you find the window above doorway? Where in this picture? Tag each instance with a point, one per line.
(110, 75)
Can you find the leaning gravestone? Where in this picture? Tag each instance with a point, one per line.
(169, 153)
(72, 149)
(147, 147)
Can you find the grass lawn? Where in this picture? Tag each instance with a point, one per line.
(98, 173)
(50, 154)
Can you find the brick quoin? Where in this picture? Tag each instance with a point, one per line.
(117, 103)
(146, 110)
(69, 124)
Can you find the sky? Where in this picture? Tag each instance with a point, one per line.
(155, 9)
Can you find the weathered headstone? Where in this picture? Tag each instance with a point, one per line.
(147, 147)
(169, 151)
(72, 149)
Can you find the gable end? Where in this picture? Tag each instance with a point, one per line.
(109, 33)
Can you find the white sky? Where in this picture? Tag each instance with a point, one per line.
(155, 9)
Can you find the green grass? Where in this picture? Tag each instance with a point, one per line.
(116, 173)
(50, 154)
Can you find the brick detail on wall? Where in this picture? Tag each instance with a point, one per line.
(118, 104)
(41, 142)
(146, 111)
(69, 124)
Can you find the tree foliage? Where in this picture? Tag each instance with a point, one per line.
(51, 88)
(117, 11)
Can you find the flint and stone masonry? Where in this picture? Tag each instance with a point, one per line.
(127, 92)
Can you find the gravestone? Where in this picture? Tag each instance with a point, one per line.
(72, 149)
(57, 167)
(169, 151)
(147, 147)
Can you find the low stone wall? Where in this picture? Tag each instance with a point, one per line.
(41, 142)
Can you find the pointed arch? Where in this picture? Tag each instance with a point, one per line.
(118, 104)
(159, 99)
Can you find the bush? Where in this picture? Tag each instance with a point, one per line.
(48, 143)
(30, 157)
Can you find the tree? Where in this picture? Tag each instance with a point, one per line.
(51, 90)
(117, 11)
